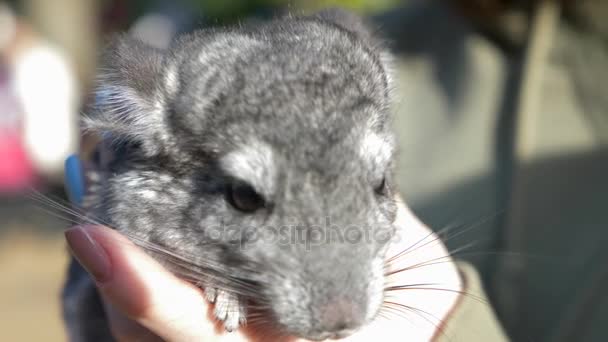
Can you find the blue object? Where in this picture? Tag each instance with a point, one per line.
(74, 179)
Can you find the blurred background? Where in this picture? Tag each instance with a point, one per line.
(502, 117)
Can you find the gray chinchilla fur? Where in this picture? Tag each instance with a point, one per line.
(261, 156)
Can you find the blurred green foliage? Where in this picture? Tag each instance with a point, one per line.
(231, 9)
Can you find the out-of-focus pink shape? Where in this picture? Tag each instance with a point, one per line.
(16, 171)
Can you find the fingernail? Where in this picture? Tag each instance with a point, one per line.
(89, 253)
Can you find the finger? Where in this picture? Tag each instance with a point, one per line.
(140, 288)
(125, 329)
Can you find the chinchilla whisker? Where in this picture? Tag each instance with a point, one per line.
(154, 247)
(442, 236)
(55, 199)
(213, 271)
(435, 235)
(462, 292)
(464, 247)
(430, 262)
(187, 260)
(412, 285)
(459, 253)
(62, 215)
(438, 323)
(258, 309)
(68, 219)
(529, 256)
(438, 238)
(203, 279)
(202, 274)
(433, 261)
(382, 314)
(36, 195)
(44, 200)
(257, 320)
(187, 270)
(66, 208)
(260, 304)
(412, 309)
(394, 311)
(209, 273)
(420, 265)
(471, 226)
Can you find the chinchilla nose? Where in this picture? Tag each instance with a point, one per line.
(341, 317)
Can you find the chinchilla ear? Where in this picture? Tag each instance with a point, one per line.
(348, 21)
(130, 95)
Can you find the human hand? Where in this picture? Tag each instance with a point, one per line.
(145, 302)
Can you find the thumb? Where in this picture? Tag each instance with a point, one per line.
(138, 287)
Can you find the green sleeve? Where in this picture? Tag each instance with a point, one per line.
(473, 318)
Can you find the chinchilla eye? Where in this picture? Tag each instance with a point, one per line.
(382, 187)
(244, 198)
